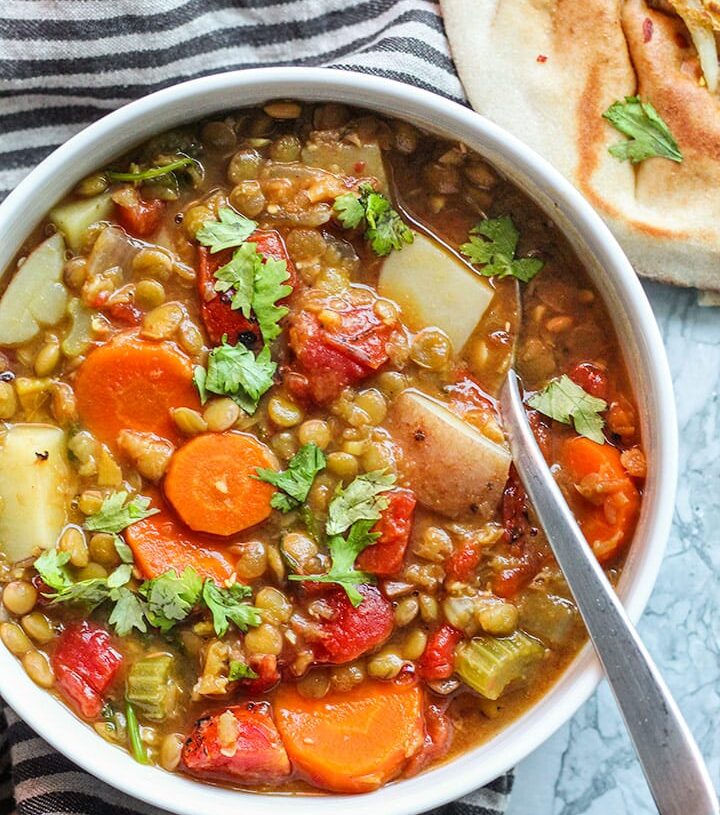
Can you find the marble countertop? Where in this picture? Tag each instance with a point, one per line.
(589, 767)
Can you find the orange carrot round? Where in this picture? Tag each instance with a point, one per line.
(610, 503)
(160, 543)
(210, 483)
(131, 383)
(352, 741)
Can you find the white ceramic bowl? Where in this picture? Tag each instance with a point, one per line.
(633, 321)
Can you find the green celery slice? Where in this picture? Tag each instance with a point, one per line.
(150, 687)
(489, 664)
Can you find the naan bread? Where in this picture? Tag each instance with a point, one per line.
(547, 70)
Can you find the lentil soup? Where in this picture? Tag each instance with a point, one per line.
(259, 522)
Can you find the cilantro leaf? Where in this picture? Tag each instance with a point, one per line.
(240, 670)
(360, 500)
(115, 515)
(234, 371)
(171, 597)
(226, 606)
(269, 288)
(565, 401)
(297, 480)
(384, 228)
(152, 172)
(125, 553)
(649, 135)
(129, 612)
(344, 552)
(52, 568)
(349, 210)
(495, 250)
(231, 229)
(120, 576)
(239, 276)
(89, 593)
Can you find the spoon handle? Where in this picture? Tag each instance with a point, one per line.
(674, 768)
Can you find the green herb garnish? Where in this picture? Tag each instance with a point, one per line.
(566, 402)
(226, 606)
(344, 552)
(384, 228)
(240, 670)
(234, 371)
(171, 597)
(153, 172)
(115, 515)
(649, 136)
(230, 229)
(492, 245)
(137, 745)
(361, 500)
(296, 481)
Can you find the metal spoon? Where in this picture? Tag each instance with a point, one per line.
(674, 768)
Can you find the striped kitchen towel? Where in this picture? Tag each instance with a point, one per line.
(65, 63)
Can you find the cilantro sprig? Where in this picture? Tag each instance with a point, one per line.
(115, 514)
(230, 229)
(361, 500)
(240, 670)
(343, 553)
(492, 245)
(649, 135)
(255, 282)
(153, 172)
(566, 402)
(234, 371)
(385, 230)
(296, 481)
(161, 602)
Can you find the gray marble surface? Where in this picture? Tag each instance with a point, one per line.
(588, 767)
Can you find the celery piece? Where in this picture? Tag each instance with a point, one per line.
(489, 664)
(150, 687)
(550, 618)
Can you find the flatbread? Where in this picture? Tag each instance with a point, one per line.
(547, 69)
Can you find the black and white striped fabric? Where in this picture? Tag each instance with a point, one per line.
(65, 63)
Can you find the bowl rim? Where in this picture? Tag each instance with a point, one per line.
(187, 101)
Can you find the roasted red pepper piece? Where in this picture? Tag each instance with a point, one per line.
(217, 313)
(333, 354)
(591, 378)
(125, 313)
(438, 659)
(257, 755)
(353, 631)
(85, 664)
(464, 560)
(142, 218)
(385, 556)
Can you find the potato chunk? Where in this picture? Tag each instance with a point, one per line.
(343, 158)
(36, 295)
(74, 219)
(435, 288)
(35, 488)
(450, 465)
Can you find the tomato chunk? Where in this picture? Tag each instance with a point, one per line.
(438, 659)
(353, 631)
(216, 310)
(85, 664)
(241, 744)
(142, 217)
(591, 378)
(347, 345)
(385, 556)
(438, 735)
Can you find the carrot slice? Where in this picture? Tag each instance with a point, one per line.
(608, 502)
(352, 741)
(210, 483)
(160, 543)
(131, 383)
